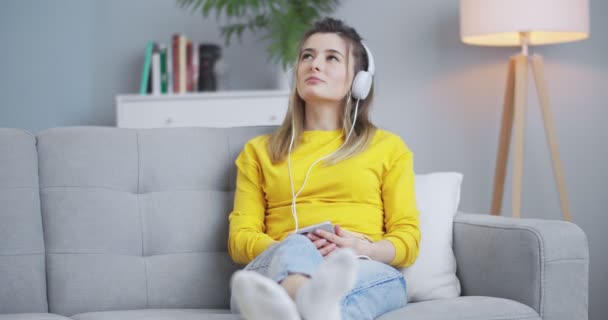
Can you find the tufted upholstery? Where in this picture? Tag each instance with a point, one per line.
(111, 244)
(22, 284)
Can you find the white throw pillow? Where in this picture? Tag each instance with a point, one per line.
(433, 275)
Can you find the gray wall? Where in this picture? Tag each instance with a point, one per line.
(63, 61)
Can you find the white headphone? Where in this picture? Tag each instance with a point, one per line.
(361, 86)
(363, 79)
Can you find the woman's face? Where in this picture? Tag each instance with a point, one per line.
(323, 72)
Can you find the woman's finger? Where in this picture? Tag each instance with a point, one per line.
(327, 249)
(330, 237)
(313, 237)
(339, 231)
(320, 243)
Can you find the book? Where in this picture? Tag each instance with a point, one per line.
(145, 74)
(195, 62)
(189, 71)
(169, 63)
(156, 70)
(163, 68)
(175, 62)
(149, 87)
(182, 63)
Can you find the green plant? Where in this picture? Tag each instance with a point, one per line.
(283, 22)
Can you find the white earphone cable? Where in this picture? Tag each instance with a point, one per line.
(293, 213)
(294, 196)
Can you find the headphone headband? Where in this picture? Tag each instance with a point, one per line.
(371, 67)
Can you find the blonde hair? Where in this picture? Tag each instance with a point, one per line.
(363, 131)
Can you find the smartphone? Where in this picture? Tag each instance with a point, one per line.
(327, 226)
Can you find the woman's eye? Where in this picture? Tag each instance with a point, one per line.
(306, 56)
(332, 58)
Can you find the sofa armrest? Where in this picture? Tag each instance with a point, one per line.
(541, 263)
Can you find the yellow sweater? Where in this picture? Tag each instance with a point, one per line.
(371, 193)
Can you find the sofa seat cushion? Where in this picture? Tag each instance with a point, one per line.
(160, 314)
(32, 316)
(464, 308)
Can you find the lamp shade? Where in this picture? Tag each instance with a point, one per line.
(500, 22)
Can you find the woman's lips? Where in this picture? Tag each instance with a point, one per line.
(313, 80)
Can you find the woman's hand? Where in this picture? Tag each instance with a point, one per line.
(327, 242)
(325, 247)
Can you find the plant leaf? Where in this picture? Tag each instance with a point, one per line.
(282, 22)
(197, 4)
(208, 6)
(221, 4)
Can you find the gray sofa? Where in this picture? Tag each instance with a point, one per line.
(109, 223)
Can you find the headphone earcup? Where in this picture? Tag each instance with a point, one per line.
(361, 85)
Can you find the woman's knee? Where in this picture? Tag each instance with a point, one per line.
(295, 254)
(379, 289)
(296, 242)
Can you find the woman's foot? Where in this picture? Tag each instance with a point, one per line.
(260, 298)
(320, 298)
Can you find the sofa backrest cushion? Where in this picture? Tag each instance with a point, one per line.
(22, 265)
(138, 218)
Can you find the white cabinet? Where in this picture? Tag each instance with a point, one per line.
(207, 109)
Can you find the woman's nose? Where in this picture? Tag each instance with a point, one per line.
(316, 64)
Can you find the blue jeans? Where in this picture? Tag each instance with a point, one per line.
(379, 288)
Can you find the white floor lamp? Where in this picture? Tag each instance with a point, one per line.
(523, 23)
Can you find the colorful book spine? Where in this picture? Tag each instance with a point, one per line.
(189, 71)
(163, 68)
(175, 62)
(182, 64)
(170, 68)
(195, 62)
(156, 70)
(145, 74)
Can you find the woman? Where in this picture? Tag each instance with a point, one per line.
(326, 162)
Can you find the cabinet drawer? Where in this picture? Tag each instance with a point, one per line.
(220, 109)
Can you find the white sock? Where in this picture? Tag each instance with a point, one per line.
(320, 298)
(260, 298)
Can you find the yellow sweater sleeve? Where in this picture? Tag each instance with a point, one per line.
(400, 210)
(246, 236)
